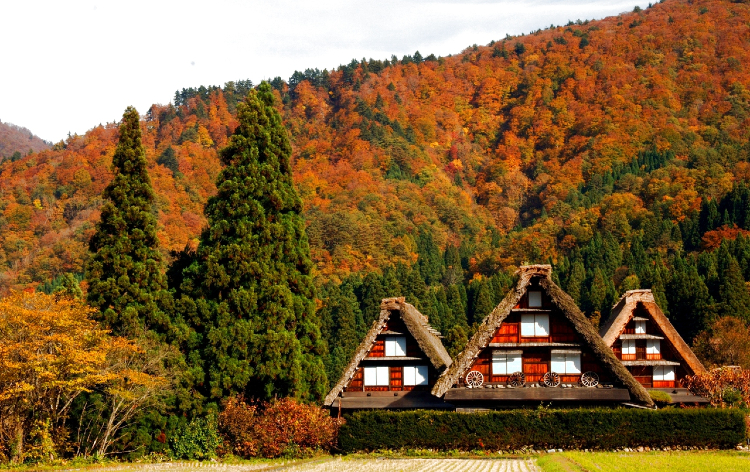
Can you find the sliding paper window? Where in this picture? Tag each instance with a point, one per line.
(395, 346)
(535, 325)
(377, 376)
(566, 362)
(415, 375)
(506, 362)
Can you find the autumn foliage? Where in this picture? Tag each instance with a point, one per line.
(52, 352)
(506, 147)
(280, 428)
(724, 386)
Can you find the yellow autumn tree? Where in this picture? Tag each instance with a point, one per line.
(52, 351)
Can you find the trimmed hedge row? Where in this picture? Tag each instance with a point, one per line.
(543, 429)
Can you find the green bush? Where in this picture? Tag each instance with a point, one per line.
(660, 397)
(542, 429)
(197, 439)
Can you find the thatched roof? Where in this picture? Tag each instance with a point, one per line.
(570, 310)
(622, 313)
(427, 339)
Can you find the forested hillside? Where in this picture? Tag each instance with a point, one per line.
(16, 141)
(617, 149)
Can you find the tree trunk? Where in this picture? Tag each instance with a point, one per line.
(17, 444)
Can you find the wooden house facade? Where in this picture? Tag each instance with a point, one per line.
(396, 365)
(642, 337)
(536, 345)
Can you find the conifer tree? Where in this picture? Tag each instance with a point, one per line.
(689, 301)
(370, 294)
(734, 299)
(254, 310)
(456, 305)
(482, 301)
(575, 281)
(454, 273)
(125, 273)
(341, 309)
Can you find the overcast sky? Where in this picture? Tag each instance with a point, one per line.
(69, 65)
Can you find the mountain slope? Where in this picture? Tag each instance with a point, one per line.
(522, 150)
(16, 139)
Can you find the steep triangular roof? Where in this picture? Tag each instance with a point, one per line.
(623, 311)
(427, 339)
(570, 310)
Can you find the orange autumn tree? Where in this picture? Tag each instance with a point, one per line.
(51, 352)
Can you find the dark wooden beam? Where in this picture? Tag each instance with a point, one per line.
(538, 394)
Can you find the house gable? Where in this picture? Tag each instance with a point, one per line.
(396, 365)
(645, 341)
(540, 336)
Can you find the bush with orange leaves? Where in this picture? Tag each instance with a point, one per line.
(723, 387)
(284, 427)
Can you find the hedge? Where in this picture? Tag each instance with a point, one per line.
(543, 429)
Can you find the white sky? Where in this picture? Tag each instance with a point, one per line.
(70, 65)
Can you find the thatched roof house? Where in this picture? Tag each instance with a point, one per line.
(396, 365)
(537, 345)
(645, 341)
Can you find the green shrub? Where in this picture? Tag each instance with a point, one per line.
(543, 429)
(197, 439)
(660, 397)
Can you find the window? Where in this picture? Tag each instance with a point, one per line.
(415, 375)
(506, 362)
(663, 373)
(628, 349)
(535, 299)
(377, 377)
(640, 327)
(395, 346)
(653, 349)
(534, 325)
(566, 362)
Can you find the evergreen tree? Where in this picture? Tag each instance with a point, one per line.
(454, 272)
(597, 296)
(254, 294)
(370, 294)
(455, 340)
(689, 300)
(482, 305)
(575, 281)
(126, 275)
(456, 305)
(69, 287)
(734, 299)
(340, 314)
(430, 260)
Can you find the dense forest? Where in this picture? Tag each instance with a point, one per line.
(16, 142)
(617, 150)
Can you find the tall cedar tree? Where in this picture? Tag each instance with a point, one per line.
(125, 274)
(256, 314)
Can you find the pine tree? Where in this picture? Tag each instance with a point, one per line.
(126, 272)
(430, 260)
(255, 310)
(597, 295)
(454, 273)
(341, 310)
(370, 294)
(734, 299)
(575, 281)
(456, 305)
(689, 301)
(482, 305)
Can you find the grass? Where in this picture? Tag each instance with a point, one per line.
(725, 461)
